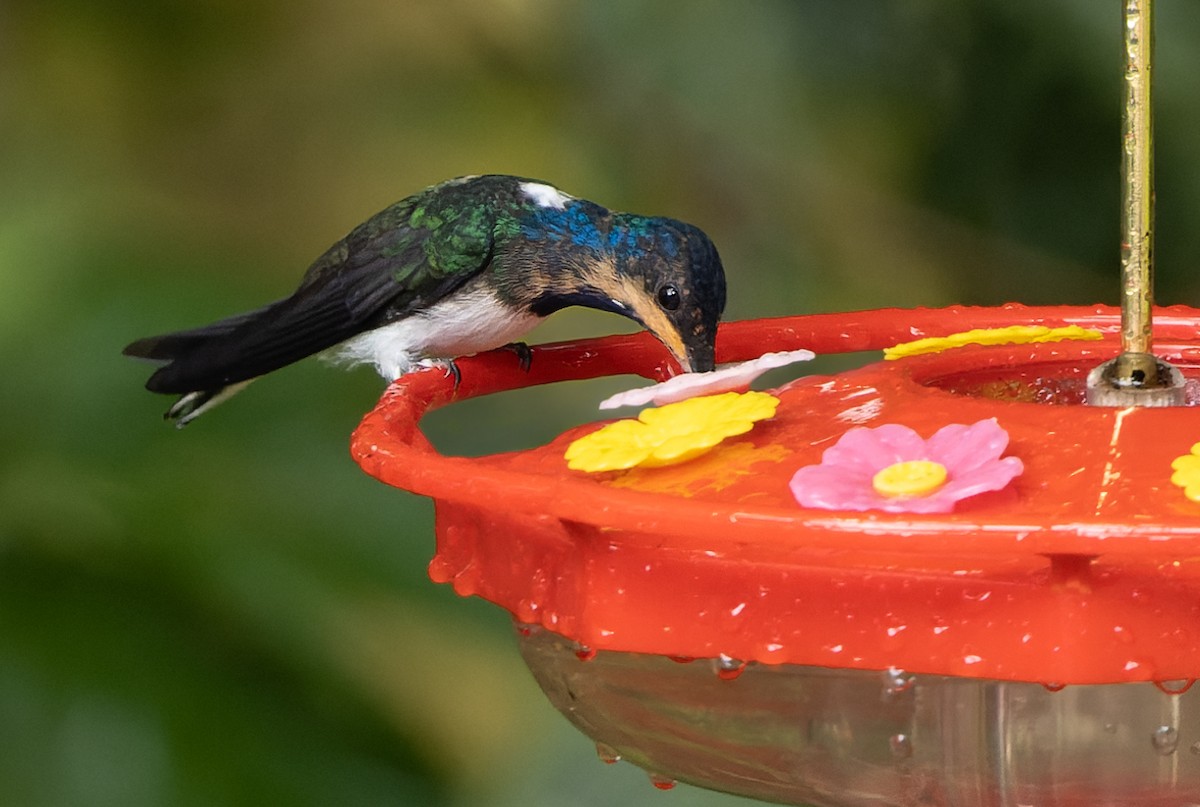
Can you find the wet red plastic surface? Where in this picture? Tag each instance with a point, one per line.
(1086, 569)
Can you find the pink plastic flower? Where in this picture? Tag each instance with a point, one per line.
(860, 471)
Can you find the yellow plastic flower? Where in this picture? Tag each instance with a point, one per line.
(669, 434)
(1014, 334)
(1187, 473)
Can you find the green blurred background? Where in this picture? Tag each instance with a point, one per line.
(235, 614)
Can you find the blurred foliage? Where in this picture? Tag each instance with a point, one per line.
(235, 614)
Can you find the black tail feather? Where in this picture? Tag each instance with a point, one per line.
(171, 346)
(242, 347)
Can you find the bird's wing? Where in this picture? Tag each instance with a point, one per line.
(402, 259)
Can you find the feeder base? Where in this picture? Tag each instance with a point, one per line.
(1115, 384)
(850, 738)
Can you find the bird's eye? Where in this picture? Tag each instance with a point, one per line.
(669, 297)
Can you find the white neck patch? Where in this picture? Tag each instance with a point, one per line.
(545, 195)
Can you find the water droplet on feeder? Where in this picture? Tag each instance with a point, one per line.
(901, 745)
(1110, 728)
(539, 585)
(608, 755)
(440, 570)
(896, 681)
(466, 581)
(1165, 740)
(728, 668)
(661, 782)
(584, 653)
(1053, 686)
(1176, 687)
(526, 628)
(526, 610)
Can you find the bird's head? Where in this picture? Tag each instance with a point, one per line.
(662, 273)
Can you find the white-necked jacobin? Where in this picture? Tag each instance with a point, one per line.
(469, 265)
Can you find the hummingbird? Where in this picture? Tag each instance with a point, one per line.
(468, 265)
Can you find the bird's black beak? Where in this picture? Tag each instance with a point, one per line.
(699, 358)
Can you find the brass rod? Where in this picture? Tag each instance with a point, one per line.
(1137, 198)
(1136, 377)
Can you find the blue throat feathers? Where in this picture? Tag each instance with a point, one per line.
(628, 237)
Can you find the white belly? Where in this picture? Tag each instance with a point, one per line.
(470, 321)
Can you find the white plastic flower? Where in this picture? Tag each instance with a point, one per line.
(689, 385)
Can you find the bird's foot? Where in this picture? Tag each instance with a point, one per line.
(524, 354)
(448, 365)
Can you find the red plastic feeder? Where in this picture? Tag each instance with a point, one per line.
(1035, 646)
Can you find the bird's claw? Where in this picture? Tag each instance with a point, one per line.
(448, 365)
(524, 354)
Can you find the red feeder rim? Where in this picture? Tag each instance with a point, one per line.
(1086, 569)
